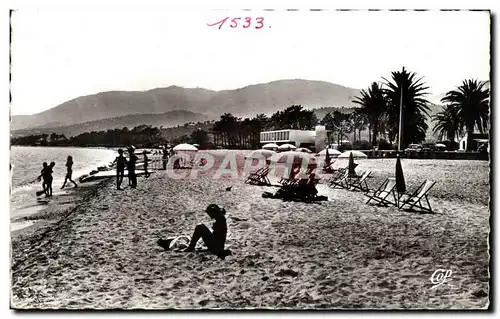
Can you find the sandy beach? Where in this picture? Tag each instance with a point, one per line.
(101, 253)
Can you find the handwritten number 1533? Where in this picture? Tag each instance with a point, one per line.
(243, 22)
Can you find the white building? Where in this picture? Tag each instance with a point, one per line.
(477, 137)
(311, 139)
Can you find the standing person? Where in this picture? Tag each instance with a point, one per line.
(165, 156)
(49, 170)
(120, 161)
(146, 173)
(132, 160)
(43, 175)
(69, 172)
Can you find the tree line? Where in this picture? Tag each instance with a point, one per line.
(465, 109)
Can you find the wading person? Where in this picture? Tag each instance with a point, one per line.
(43, 175)
(48, 178)
(121, 162)
(69, 172)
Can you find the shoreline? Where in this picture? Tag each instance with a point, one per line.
(56, 211)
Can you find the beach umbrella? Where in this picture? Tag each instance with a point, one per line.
(330, 152)
(185, 147)
(355, 154)
(286, 147)
(400, 178)
(270, 146)
(303, 149)
(265, 153)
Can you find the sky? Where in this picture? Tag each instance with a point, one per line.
(58, 55)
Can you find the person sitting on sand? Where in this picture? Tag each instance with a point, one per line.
(132, 159)
(69, 173)
(146, 173)
(121, 162)
(215, 240)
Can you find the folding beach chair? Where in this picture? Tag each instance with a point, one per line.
(328, 168)
(259, 177)
(360, 183)
(382, 194)
(415, 199)
(342, 181)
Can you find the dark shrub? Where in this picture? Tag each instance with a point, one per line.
(345, 147)
(384, 145)
(362, 145)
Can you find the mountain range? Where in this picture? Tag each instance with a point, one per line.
(174, 105)
(115, 109)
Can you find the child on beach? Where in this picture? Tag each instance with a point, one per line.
(132, 178)
(215, 240)
(120, 161)
(69, 173)
(146, 173)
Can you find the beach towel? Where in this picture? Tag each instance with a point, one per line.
(178, 243)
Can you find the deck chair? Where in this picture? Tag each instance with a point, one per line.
(328, 167)
(342, 181)
(291, 179)
(416, 199)
(259, 177)
(360, 183)
(385, 193)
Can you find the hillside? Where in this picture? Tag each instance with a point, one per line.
(248, 101)
(169, 119)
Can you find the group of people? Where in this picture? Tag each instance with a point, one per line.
(130, 163)
(47, 178)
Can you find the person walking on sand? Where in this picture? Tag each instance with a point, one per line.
(121, 162)
(69, 172)
(146, 173)
(132, 160)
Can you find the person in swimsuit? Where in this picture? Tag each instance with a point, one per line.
(132, 160)
(215, 240)
(146, 173)
(42, 176)
(121, 162)
(48, 178)
(69, 172)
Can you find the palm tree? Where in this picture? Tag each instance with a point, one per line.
(373, 105)
(415, 106)
(447, 123)
(471, 101)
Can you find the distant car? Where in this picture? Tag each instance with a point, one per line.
(414, 148)
(428, 147)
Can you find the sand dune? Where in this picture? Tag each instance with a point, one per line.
(336, 254)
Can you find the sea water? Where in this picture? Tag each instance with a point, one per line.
(26, 165)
